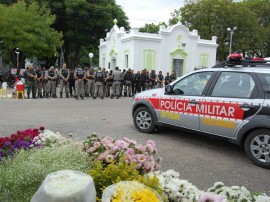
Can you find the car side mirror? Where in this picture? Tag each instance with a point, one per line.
(168, 89)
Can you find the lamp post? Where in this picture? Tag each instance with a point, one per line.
(91, 55)
(17, 51)
(231, 35)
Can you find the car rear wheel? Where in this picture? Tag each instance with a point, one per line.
(257, 147)
(143, 120)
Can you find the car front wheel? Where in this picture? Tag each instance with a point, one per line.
(143, 120)
(257, 147)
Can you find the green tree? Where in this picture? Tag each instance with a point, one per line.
(28, 27)
(83, 23)
(213, 17)
(152, 28)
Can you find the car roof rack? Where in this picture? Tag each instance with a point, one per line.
(236, 60)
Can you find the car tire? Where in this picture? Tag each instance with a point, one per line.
(257, 147)
(144, 120)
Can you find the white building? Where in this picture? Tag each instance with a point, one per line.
(173, 48)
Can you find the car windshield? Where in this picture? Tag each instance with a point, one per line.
(193, 84)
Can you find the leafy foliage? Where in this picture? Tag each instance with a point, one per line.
(106, 175)
(212, 18)
(152, 28)
(21, 176)
(28, 27)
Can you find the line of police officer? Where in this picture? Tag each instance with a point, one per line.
(89, 83)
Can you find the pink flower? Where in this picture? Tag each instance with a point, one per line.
(147, 165)
(97, 144)
(151, 149)
(106, 140)
(151, 142)
(122, 144)
(103, 155)
(130, 152)
(141, 158)
(140, 148)
(91, 149)
(130, 140)
(210, 197)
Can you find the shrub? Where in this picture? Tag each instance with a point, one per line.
(106, 175)
(21, 176)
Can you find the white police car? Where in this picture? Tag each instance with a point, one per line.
(230, 100)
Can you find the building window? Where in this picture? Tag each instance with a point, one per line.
(126, 61)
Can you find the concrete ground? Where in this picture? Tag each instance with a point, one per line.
(201, 160)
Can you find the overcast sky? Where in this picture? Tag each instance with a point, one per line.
(140, 12)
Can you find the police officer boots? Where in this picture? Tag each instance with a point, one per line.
(67, 96)
(125, 94)
(61, 95)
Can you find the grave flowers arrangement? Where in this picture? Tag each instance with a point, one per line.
(107, 150)
(21, 140)
(133, 191)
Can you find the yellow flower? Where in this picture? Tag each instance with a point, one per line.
(132, 191)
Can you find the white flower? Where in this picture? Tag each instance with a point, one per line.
(262, 198)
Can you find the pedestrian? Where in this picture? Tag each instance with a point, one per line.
(117, 78)
(110, 82)
(79, 76)
(167, 79)
(64, 76)
(128, 79)
(138, 82)
(105, 84)
(51, 82)
(153, 78)
(39, 81)
(147, 81)
(43, 81)
(173, 76)
(90, 75)
(31, 81)
(71, 81)
(133, 83)
(143, 80)
(122, 83)
(99, 79)
(160, 80)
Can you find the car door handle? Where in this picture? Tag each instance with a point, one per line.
(193, 102)
(247, 106)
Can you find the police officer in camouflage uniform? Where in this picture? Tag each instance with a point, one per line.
(79, 76)
(99, 79)
(90, 75)
(117, 78)
(167, 79)
(64, 76)
(39, 74)
(160, 80)
(31, 82)
(128, 80)
(51, 77)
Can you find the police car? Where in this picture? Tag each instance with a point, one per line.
(230, 100)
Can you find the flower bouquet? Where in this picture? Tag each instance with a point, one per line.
(132, 191)
(107, 150)
(20, 140)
